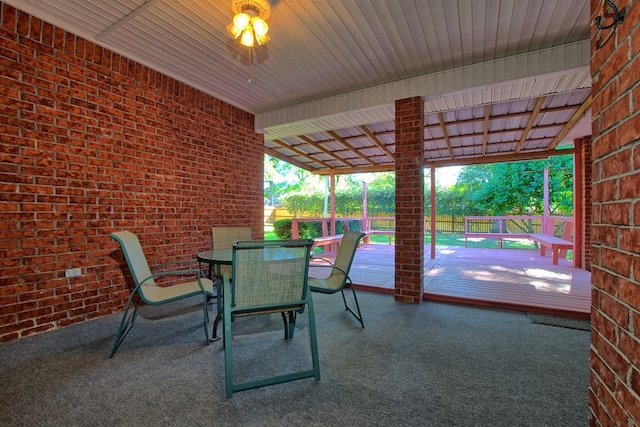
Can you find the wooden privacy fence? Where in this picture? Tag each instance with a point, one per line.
(453, 224)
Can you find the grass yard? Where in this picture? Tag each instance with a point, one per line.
(269, 234)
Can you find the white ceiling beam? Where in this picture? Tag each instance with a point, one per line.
(553, 70)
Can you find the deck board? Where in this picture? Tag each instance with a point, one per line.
(515, 279)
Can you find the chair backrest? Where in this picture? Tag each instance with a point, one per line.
(133, 254)
(223, 237)
(270, 274)
(344, 259)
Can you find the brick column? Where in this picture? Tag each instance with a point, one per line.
(587, 170)
(614, 358)
(409, 255)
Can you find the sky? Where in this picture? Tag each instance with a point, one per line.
(445, 176)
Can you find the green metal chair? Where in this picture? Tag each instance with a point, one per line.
(149, 292)
(268, 277)
(339, 275)
(222, 238)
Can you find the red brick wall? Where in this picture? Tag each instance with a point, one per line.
(614, 397)
(409, 254)
(587, 214)
(92, 143)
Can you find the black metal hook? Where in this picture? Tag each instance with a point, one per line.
(618, 16)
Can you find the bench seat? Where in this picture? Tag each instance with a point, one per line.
(556, 244)
(546, 241)
(498, 236)
(327, 241)
(368, 233)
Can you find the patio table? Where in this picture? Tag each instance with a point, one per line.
(216, 258)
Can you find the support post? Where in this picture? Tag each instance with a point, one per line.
(433, 212)
(545, 208)
(409, 162)
(332, 197)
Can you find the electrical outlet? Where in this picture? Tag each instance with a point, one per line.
(72, 272)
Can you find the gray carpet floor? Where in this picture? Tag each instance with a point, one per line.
(430, 364)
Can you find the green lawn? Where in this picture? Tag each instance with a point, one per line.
(269, 234)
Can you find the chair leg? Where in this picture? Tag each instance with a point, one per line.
(355, 298)
(217, 320)
(219, 304)
(125, 325)
(228, 354)
(286, 325)
(206, 318)
(292, 324)
(313, 338)
(289, 324)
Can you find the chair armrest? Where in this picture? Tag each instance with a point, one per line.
(325, 260)
(160, 266)
(334, 267)
(176, 273)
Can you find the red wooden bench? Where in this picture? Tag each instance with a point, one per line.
(332, 242)
(556, 244)
(498, 236)
(368, 233)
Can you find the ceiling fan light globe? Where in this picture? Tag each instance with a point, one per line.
(262, 39)
(233, 31)
(247, 37)
(241, 20)
(260, 27)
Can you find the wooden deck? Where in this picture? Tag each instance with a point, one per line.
(511, 279)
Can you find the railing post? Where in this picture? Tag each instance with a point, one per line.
(325, 228)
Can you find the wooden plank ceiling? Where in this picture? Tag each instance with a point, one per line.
(501, 79)
(525, 129)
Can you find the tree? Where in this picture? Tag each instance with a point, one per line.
(281, 178)
(381, 194)
(515, 188)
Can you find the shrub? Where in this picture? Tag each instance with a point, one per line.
(282, 228)
(308, 230)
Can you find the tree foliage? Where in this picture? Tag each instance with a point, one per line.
(381, 195)
(515, 188)
(281, 178)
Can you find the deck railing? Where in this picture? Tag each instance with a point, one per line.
(499, 226)
(379, 223)
(518, 225)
